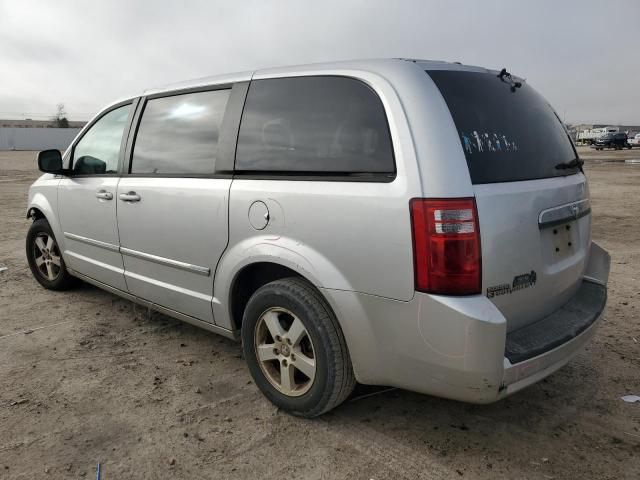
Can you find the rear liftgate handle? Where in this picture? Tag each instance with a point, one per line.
(129, 197)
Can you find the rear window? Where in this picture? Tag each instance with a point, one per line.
(314, 125)
(507, 134)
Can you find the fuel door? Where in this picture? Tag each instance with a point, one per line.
(258, 215)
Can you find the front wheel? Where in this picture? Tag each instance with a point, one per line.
(45, 258)
(295, 349)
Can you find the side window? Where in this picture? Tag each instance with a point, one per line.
(317, 124)
(98, 150)
(179, 134)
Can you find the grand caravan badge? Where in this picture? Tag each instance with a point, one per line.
(525, 280)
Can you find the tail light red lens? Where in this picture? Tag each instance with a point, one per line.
(446, 246)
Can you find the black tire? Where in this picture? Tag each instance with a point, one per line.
(62, 280)
(334, 378)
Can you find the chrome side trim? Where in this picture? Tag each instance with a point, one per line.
(159, 308)
(166, 261)
(564, 213)
(94, 262)
(91, 241)
(144, 256)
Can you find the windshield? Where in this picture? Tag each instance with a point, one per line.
(508, 134)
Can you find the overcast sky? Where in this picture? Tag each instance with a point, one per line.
(584, 56)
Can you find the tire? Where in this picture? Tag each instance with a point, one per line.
(282, 304)
(45, 259)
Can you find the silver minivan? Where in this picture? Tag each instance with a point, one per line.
(424, 225)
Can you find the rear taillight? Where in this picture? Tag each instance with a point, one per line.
(446, 246)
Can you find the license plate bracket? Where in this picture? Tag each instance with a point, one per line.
(563, 239)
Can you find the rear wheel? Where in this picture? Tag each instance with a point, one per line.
(295, 349)
(45, 258)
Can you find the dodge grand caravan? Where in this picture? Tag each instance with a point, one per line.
(392, 222)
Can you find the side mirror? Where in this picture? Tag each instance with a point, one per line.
(50, 161)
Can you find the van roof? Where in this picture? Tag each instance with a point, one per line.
(369, 65)
(382, 66)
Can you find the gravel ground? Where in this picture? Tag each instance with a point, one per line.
(86, 377)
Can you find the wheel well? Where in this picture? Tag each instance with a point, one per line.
(35, 214)
(250, 279)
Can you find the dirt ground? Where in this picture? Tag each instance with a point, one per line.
(86, 377)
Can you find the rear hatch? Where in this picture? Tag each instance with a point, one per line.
(533, 203)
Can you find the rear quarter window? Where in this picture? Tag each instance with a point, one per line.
(314, 125)
(507, 134)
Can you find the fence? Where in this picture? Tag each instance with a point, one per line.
(36, 138)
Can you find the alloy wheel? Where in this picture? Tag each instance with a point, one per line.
(285, 351)
(47, 256)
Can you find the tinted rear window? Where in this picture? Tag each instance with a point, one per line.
(507, 134)
(323, 124)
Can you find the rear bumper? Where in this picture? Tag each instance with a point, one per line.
(560, 327)
(458, 347)
(527, 372)
(536, 351)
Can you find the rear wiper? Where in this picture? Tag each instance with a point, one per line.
(576, 162)
(507, 78)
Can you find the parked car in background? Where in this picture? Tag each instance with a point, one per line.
(617, 141)
(635, 140)
(392, 222)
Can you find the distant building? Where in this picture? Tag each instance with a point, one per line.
(28, 123)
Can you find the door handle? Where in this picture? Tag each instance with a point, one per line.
(129, 197)
(104, 195)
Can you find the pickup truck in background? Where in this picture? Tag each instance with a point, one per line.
(612, 140)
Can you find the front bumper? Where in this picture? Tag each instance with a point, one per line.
(458, 347)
